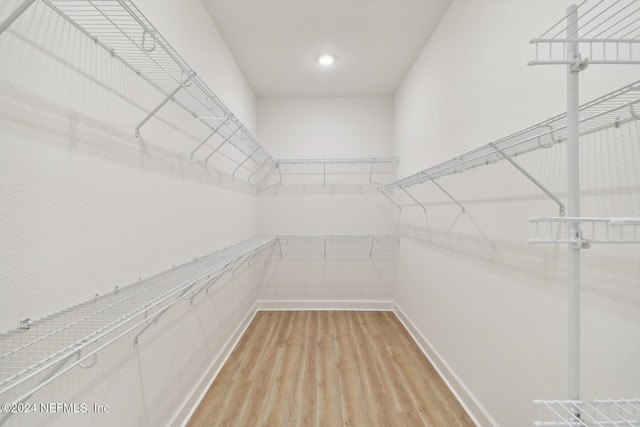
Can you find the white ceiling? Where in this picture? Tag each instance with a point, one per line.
(277, 43)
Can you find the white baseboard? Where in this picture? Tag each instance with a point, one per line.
(283, 305)
(471, 405)
(190, 404)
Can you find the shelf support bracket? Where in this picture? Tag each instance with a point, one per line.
(220, 146)
(258, 169)
(209, 137)
(414, 199)
(450, 196)
(532, 179)
(15, 15)
(390, 199)
(371, 172)
(244, 161)
(46, 378)
(267, 177)
(324, 172)
(633, 112)
(156, 317)
(167, 99)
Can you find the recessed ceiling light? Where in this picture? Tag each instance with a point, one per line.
(325, 60)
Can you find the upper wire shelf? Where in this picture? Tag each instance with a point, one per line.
(611, 110)
(119, 27)
(596, 413)
(327, 171)
(34, 354)
(608, 32)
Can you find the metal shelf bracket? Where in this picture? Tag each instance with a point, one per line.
(220, 146)
(450, 196)
(532, 179)
(244, 161)
(633, 112)
(183, 84)
(224, 122)
(414, 199)
(390, 199)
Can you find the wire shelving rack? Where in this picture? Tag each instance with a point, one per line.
(611, 110)
(39, 352)
(593, 230)
(608, 32)
(597, 413)
(120, 28)
(329, 171)
(593, 32)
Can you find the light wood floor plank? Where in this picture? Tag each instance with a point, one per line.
(328, 368)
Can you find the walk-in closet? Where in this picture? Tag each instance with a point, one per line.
(320, 213)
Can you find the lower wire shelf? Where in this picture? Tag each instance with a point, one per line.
(581, 413)
(37, 353)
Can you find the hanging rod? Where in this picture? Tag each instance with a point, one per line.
(121, 29)
(610, 110)
(608, 32)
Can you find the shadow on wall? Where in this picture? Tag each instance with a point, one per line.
(61, 89)
(50, 123)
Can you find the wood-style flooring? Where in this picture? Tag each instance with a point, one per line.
(328, 368)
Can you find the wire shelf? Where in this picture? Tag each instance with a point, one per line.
(339, 247)
(591, 230)
(580, 413)
(611, 110)
(119, 27)
(335, 171)
(608, 32)
(31, 356)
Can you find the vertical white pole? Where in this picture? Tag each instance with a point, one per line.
(573, 207)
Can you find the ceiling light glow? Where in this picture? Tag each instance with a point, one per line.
(325, 60)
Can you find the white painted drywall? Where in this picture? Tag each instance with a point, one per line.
(302, 128)
(491, 305)
(328, 127)
(86, 206)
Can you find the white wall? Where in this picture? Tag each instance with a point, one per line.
(492, 306)
(302, 128)
(87, 206)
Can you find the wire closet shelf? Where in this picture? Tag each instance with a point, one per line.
(37, 353)
(598, 32)
(338, 247)
(596, 413)
(611, 110)
(608, 32)
(338, 171)
(119, 27)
